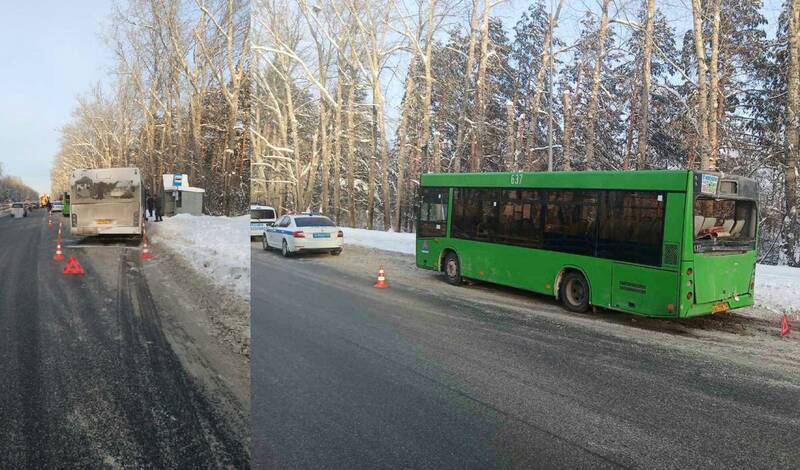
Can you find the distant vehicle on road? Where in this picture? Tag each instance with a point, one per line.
(655, 243)
(106, 201)
(57, 206)
(18, 210)
(65, 199)
(304, 232)
(261, 217)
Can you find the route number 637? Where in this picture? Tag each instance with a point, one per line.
(516, 178)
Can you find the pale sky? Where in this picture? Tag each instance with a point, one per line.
(51, 51)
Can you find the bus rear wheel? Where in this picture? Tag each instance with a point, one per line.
(574, 292)
(452, 269)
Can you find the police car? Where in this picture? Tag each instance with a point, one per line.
(261, 217)
(304, 232)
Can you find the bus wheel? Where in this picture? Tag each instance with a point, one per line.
(574, 292)
(452, 269)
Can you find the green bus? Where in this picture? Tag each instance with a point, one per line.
(65, 198)
(656, 243)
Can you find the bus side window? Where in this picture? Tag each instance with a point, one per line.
(433, 212)
(632, 226)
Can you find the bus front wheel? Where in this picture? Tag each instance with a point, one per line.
(452, 269)
(575, 292)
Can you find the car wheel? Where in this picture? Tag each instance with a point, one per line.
(452, 269)
(574, 292)
(264, 243)
(336, 252)
(285, 249)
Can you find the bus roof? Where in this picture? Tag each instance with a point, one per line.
(664, 180)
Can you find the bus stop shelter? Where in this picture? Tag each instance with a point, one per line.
(180, 198)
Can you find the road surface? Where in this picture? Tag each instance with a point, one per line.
(88, 378)
(428, 375)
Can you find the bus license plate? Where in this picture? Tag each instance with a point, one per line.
(104, 222)
(720, 307)
(322, 235)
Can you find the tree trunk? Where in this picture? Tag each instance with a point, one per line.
(402, 144)
(702, 92)
(541, 76)
(713, 125)
(792, 243)
(462, 114)
(591, 120)
(644, 113)
(510, 129)
(476, 160)
(566, 147)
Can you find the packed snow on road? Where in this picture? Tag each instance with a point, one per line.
(777, 287)
(217, 247)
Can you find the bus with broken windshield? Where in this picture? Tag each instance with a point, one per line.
(655, 243)
(106, 201)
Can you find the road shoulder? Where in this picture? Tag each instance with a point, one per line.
(209, 330)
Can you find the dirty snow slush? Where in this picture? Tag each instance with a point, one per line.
(89, 377)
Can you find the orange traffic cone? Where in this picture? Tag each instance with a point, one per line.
(381, 284)
(59, 256)
(145, 250)
(73, 266)
(785, 326)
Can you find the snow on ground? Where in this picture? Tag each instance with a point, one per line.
(777, 287)
(217, 247)
(388, 241)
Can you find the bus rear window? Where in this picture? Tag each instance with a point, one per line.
(724, 221)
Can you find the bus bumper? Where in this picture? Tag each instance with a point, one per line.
(743, 300)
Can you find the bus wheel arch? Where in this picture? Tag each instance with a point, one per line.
(573, 276)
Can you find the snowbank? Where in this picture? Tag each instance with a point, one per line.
(777, 287)
(217, 247)
(389, 241)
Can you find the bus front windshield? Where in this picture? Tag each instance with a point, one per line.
(724, 224)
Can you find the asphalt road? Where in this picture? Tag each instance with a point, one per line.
(427, 375)
(87, 378)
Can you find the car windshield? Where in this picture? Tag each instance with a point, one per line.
(724, 222)
(17, 205)
(259, 214)
(314, 222)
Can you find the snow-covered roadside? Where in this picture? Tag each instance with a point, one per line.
(778, 290)
(777, 287)
(217, 247)
(387, 241)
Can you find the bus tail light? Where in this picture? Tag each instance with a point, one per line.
(298, 234)
(340, 234)
(671, 308)
(689, 296)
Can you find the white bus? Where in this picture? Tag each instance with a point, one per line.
(107, 201)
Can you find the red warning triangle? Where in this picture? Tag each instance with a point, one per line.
(73, 266)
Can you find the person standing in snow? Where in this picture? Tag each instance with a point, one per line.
(157, 204)
(151, 206)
